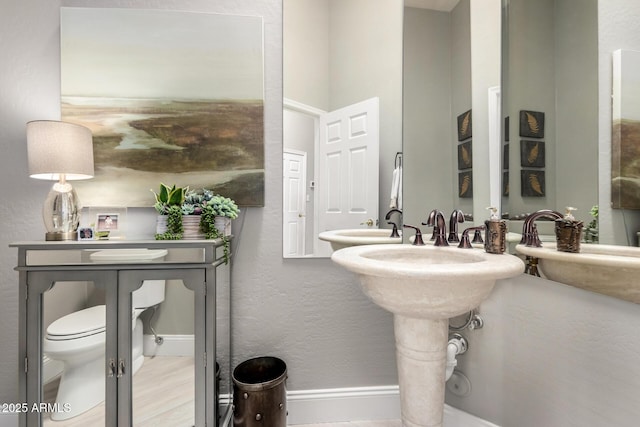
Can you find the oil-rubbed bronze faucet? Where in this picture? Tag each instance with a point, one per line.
(465, 243)
(394, 232)
(417, 241)
(437, 221)
(457, 216)
(530, 231)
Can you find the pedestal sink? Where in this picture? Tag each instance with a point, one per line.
(424, 286)
(340, 239)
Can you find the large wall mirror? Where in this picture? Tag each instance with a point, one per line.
(558, 62)
(342, 64)
(451, 96)
(416, 58)
(551, 104)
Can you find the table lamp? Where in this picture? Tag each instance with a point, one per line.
(60, 151)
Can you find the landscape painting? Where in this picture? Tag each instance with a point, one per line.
(625, 138)
(171, 97)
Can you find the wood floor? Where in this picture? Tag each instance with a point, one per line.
(163, 396)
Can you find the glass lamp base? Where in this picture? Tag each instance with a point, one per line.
(60, 236)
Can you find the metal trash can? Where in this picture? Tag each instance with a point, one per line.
(259, 393)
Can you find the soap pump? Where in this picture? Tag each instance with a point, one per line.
(495, 233)
(568, 232)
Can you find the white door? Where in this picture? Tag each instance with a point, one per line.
(294, 203)
(347, 186)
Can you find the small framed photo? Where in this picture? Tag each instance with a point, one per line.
(85, 233)
(107, 221)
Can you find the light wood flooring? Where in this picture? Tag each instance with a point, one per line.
(163, 396)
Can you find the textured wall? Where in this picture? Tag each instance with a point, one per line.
(308, 312)
(552, 355)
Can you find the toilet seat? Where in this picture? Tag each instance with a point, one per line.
(80, 324)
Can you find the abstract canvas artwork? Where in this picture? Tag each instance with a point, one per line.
(171, 97)
(625, 138)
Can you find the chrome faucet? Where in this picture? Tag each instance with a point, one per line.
(529, 229)
(437, 221)
(457, 216)
(394, 232)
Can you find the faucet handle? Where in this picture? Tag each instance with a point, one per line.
(418, 239)
(464, 242)
(394, 232)
(477, 235)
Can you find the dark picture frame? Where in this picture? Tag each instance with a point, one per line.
(532, 154)
(465, 185)
(464, 126)
(465, 155)
(532, 183)
(532, 124)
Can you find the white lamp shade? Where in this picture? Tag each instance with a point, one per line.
(59, 148)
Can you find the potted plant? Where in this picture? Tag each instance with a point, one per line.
(168, 204)
(195, 215)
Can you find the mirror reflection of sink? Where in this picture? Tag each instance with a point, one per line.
(607, 269)
(424, 286)
(340, 239)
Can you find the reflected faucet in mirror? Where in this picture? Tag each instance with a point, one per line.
(437, 221)
(387, 217)
(530, 231)
(457, 216)
(477, 237)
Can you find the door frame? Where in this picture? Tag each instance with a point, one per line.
(315, 114)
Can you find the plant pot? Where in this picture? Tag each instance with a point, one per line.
(161, 224)
(190, 225)
(223, 225)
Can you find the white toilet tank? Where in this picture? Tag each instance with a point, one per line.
(152, 291)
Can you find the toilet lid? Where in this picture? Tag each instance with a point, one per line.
(81, 323)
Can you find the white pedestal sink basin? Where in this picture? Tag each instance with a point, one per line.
(424, 286)
(340, 239)
(606, 269)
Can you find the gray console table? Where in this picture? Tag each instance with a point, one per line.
(198, 263)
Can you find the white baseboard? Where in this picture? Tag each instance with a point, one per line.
(172, 345)
(361, 404)
(343, 404)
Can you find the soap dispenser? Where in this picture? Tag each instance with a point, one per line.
(568, 232)
(495, 236)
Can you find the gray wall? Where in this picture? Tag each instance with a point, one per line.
(308, 312)
(553, 69)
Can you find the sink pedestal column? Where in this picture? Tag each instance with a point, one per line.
(421, 352)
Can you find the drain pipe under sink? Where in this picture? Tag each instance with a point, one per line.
(457, 345)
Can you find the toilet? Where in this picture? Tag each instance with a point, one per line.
(78, 339)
